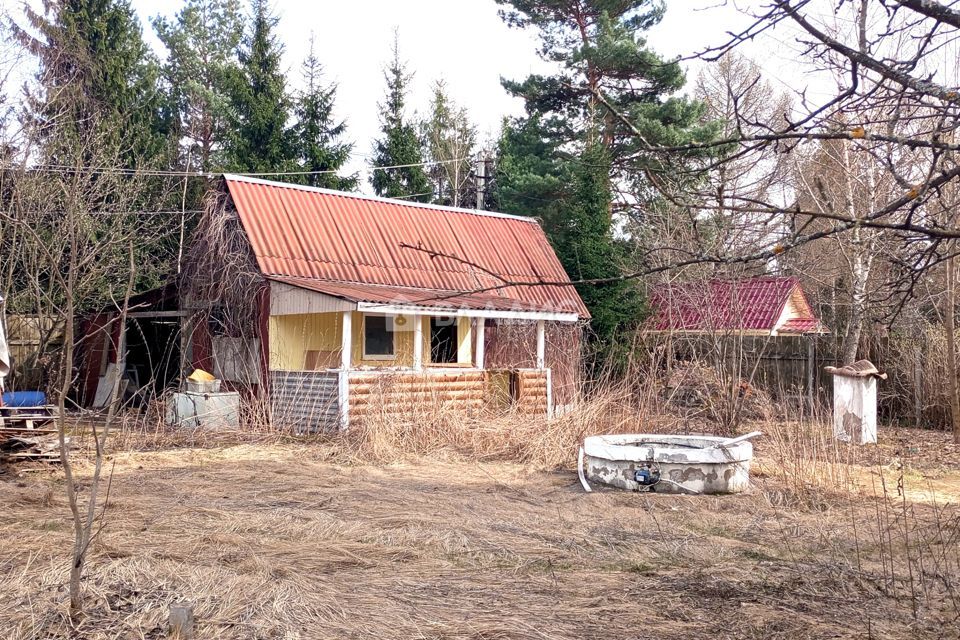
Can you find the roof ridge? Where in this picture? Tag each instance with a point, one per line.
(362, 196)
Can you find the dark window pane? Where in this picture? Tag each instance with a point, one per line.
(377, 341)
(443, 339)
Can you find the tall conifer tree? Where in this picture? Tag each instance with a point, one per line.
(97, 79)
(317, 135)
(562, 161)
(398, 145)
(260, 139)
(202, 43)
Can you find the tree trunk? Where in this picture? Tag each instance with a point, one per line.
(858, 308)
(948, 314)
(860, 262)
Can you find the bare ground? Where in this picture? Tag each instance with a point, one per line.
(293, 541)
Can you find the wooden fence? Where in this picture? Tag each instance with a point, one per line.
(788, 368)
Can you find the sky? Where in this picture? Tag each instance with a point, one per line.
(466, 44)
(463, 42)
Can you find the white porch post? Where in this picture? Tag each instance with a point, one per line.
(417, 342)
(346, 359)
(481, 327)
(346, 341)
(541, 345)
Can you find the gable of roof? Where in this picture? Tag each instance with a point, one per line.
(328, 236)
(754, 304)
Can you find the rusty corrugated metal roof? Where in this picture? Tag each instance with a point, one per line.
(389, 295)
(348, 239)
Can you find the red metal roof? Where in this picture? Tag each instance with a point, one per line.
(332, 237)
(388, 295)
(753, 304)
(802, 325)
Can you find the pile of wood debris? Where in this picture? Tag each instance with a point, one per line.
(28, 434)
(29, 444)
(698, 390)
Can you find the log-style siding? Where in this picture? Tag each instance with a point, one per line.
(408, 394)
(404, 394)
(531, 391)
(513, 345)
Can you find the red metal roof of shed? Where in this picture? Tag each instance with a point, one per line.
(344, 238)
(388, 295)
(752, 304)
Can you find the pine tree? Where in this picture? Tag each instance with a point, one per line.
(97, 80)
(399, 145)
(449, 139)
(317, 135)
(260, 106)
(562, 161)
(202, 42)
(601, 50)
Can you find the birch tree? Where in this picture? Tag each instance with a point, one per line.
(449, 140)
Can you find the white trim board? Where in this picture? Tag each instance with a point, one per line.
(401, 309)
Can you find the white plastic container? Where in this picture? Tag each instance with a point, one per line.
(204, 410)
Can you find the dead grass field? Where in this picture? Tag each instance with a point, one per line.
(294, 540)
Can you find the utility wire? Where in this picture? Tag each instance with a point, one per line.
(118, 213)
(55, 168)
(412, 195)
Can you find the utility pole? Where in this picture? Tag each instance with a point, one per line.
(481, 181)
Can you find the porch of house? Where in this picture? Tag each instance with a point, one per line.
(330, 368)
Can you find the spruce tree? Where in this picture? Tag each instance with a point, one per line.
(317, 135)
(570, 194)
(97, 80)
(202, 46)
(399, 145)
(259, 139)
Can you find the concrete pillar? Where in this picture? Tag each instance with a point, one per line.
(855, 409)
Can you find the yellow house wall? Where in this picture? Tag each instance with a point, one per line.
(291, 336)
(795, 307)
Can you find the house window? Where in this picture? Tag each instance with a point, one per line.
(443, 339)
(378, 340)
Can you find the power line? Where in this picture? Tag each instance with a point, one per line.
(54, 168)
(116, 213)
(412, 195)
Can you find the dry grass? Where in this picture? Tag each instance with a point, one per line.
(276, 539)
(546, 444)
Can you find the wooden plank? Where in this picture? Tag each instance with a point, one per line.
(30, 455)
(24, 430)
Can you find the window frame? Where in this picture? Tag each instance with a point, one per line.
(455, 324)
(363, 338)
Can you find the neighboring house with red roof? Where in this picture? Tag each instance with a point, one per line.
(765, 305)
(341, 306)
